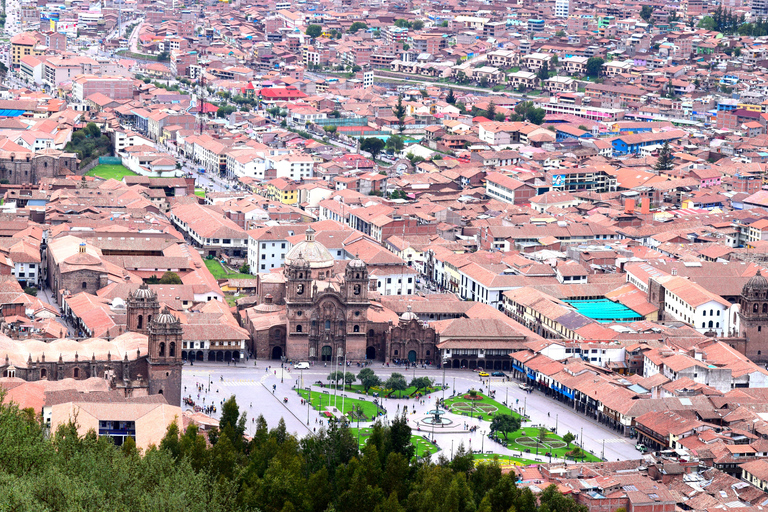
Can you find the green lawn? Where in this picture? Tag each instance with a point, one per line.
(422, 445)
(485, 408)
(218, 272)
(321, 401)
(199, 192)
(108, 171)
(504, 460)
(527, 439)
(358, 388)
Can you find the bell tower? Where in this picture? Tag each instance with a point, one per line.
(142, 307)
(753, 317)
(356, 281)
(164, 359)
(299, 280)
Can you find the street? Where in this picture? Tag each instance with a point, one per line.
(252, 386)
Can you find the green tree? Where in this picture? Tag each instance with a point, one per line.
(595, 66)
(505, 424)
(399, 111)
(543, 73)
(417, 25)
(368, 379)
(396, 382)
(170, 278)
(490, 112)
(329, 129)
(568, 439)
(232, 423)
(421, 383)
(358, 25)
(314, 31)
(646, 12)
(450, 98)
(542, 434)
(551, 500)
(245, 268)
(29, 290)
(372, 145)
(395, 143)
(664, 161)
(349, 378)
(401, 23)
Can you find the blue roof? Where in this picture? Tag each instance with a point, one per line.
(11, 113)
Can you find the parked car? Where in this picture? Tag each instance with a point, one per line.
(525, 387)
(499, 374)
(483, 374)
(641, 448)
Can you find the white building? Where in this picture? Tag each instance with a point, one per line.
(294, 166)
(688, 302)
(562, 8)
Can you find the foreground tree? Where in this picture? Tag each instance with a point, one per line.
(505, 424)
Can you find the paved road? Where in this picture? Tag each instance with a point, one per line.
(253, 385)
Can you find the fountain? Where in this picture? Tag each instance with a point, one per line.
(436, 417)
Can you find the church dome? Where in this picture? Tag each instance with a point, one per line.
(143, 292)
(408, 315)
(311, 251)
(756, 284)
(356, 264)
(166, 317)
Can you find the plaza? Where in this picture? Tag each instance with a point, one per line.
(262, 388)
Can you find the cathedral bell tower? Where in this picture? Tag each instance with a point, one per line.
(164, 359)
(299, 280)
(753, 317)
(142, 307)
(356, 281)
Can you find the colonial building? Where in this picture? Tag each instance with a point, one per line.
(146, 360)
(327, 313)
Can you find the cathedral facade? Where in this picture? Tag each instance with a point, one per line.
(328, 314)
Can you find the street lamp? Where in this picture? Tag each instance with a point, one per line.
(525, 407)
(602, 456)
(556, 422)
(482, 441)
(443, 379)
(308, 403)
(282, 369)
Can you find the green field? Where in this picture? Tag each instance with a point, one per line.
(358, 388)
(527, 439)
(218, 272)
(108, 171)
(485, 408)
(199, 192)
(503, 460)
(321, 401)
(423, 446)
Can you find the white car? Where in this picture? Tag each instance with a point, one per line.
(304, 365)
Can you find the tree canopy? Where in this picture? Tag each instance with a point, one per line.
(273, 471)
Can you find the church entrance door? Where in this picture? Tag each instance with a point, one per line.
(412, 356)
(325, 353)
(277, 353)
(370, 353)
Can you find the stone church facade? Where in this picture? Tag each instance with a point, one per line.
(328, 315)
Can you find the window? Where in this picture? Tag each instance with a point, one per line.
(162, 350)
(298, 328)
(139, 322)
(84, 285)
(356, 328)
(172, 349)
(327, 325)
